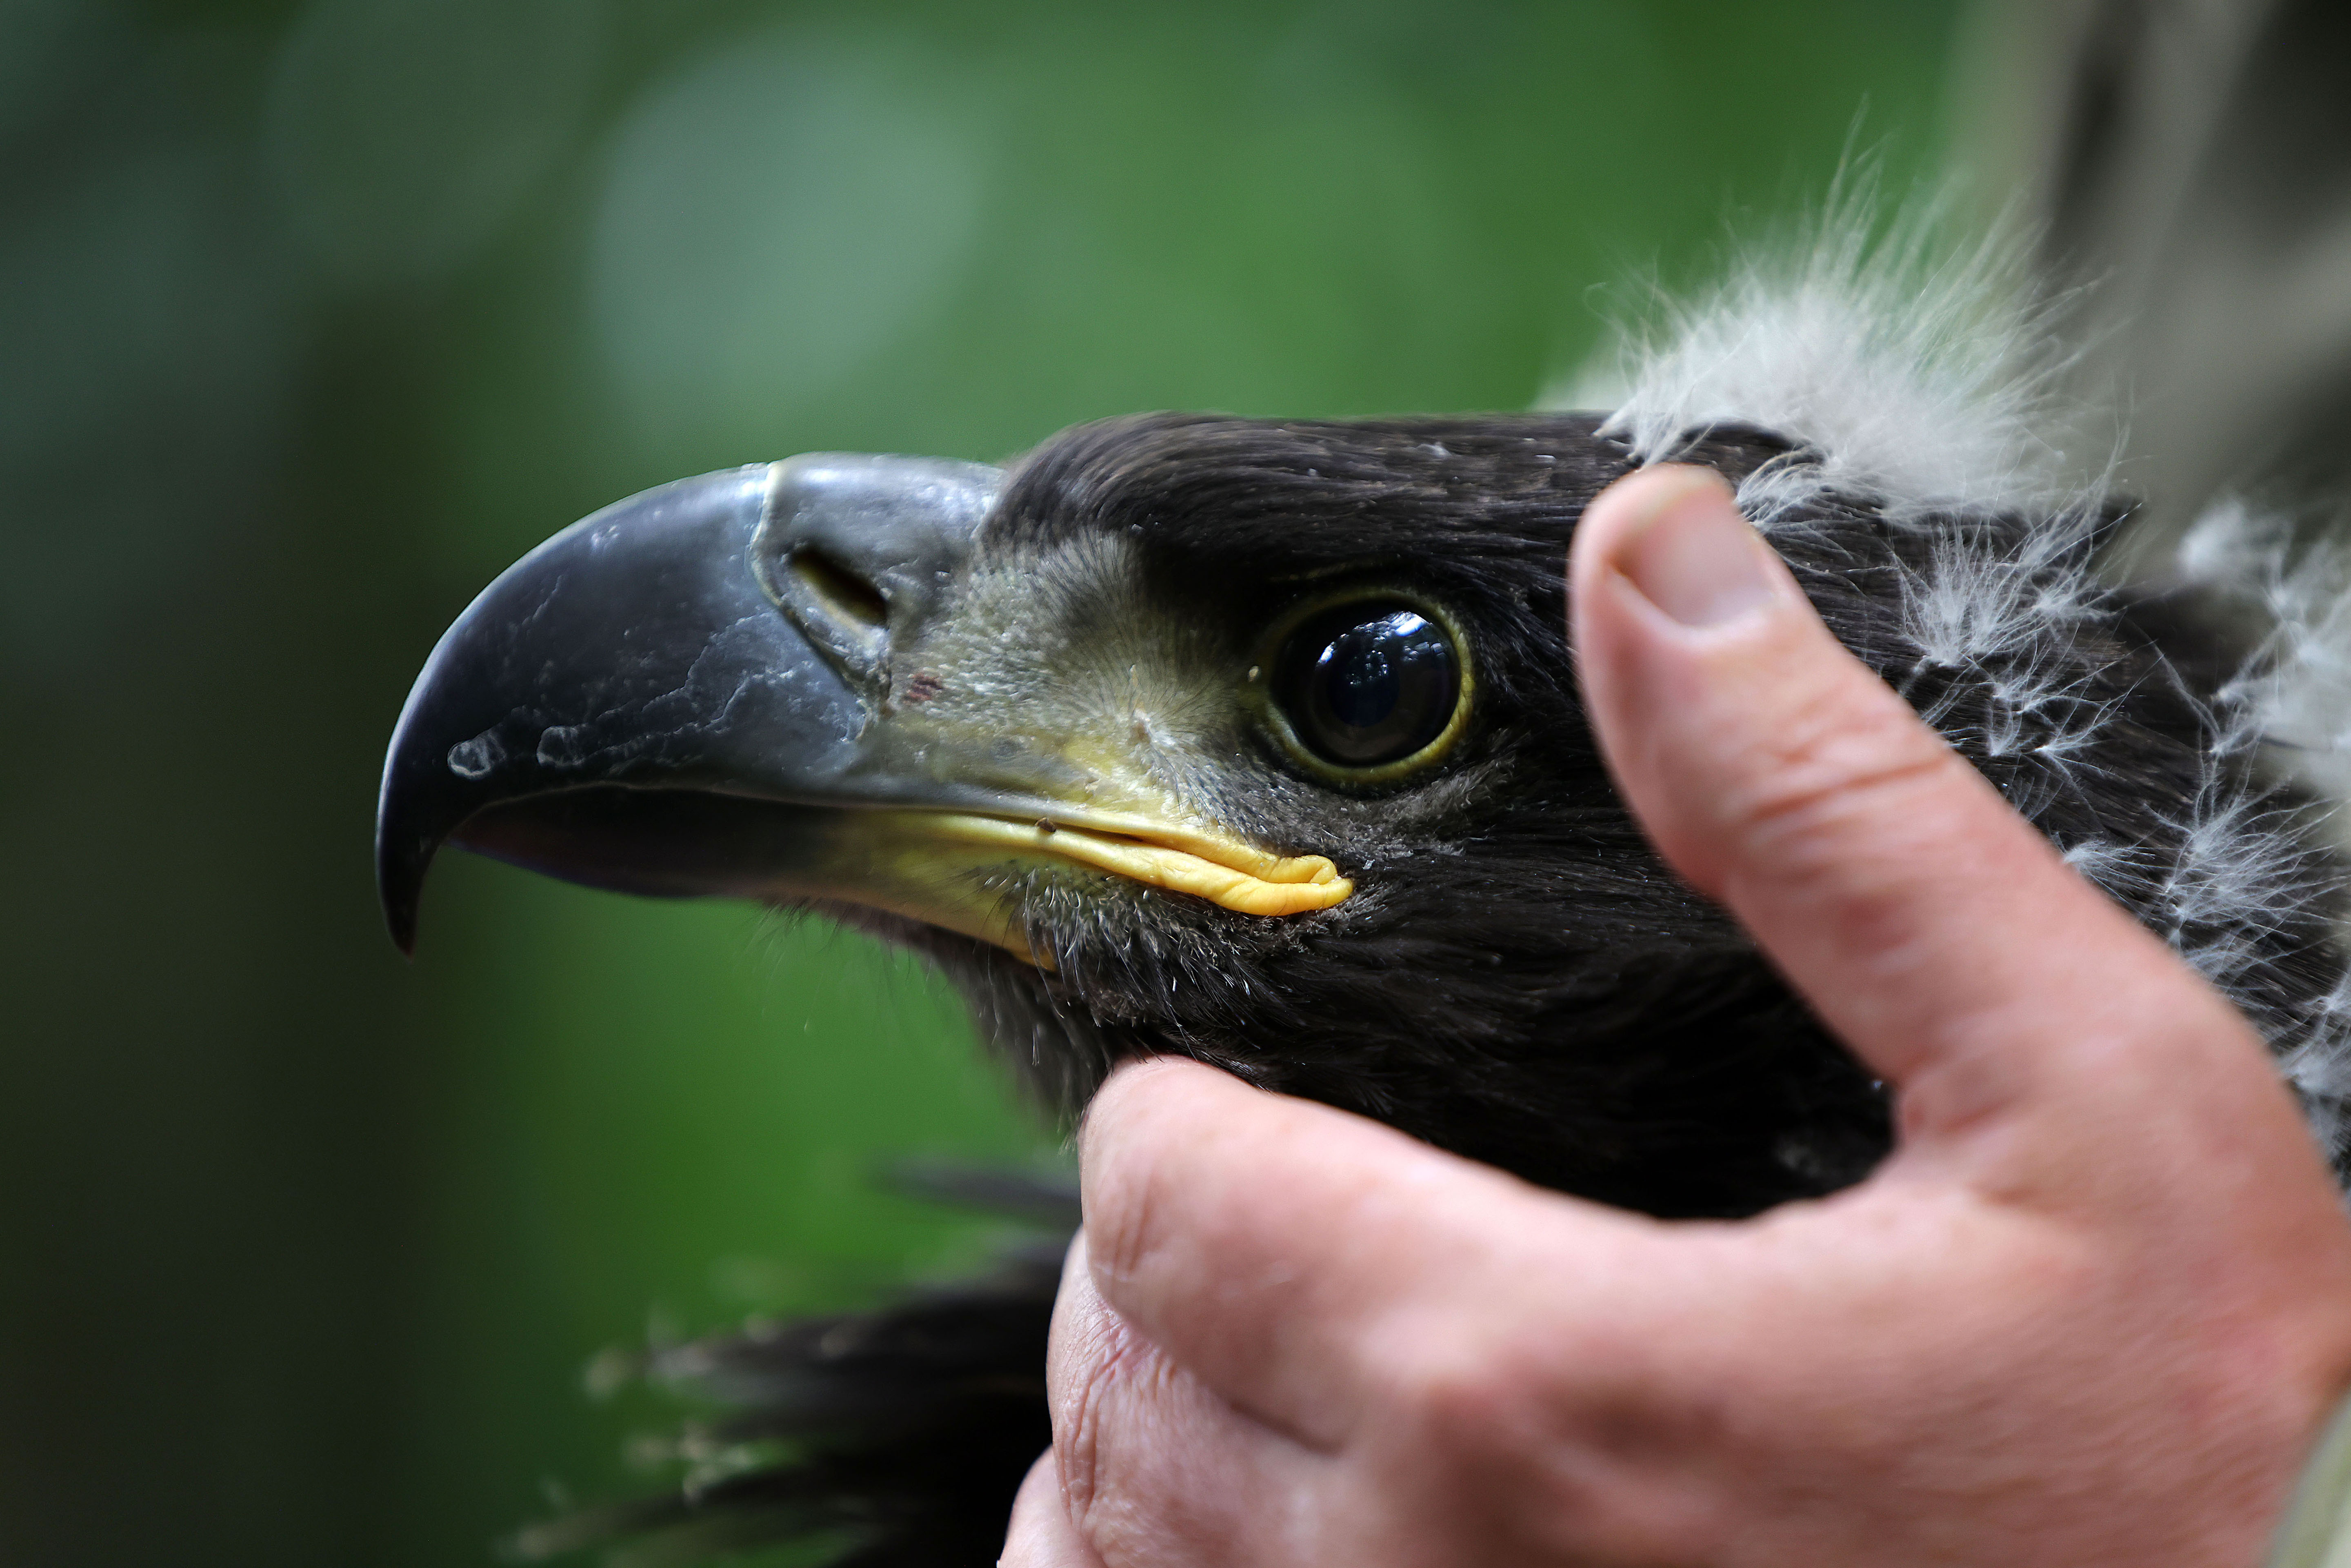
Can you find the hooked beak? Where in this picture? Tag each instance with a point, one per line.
(689, 693)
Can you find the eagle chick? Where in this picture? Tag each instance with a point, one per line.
(1258, 742)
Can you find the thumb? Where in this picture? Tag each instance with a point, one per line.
(1929, 926)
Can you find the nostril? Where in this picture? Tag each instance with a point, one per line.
(842, 592)
(855, 551)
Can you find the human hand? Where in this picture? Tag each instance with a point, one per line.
(2094, 1308)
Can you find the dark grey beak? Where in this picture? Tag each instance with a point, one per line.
(639, 703)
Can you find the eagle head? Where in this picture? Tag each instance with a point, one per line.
(1258, 742)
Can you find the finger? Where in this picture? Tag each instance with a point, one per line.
(1271, 1246)
(1884, 875)
(1041, 1534)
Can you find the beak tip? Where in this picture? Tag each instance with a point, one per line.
(400, 882)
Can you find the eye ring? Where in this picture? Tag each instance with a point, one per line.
(1402, 664)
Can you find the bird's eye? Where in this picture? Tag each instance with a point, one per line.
(1366, 684)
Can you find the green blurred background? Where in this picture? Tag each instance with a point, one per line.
(314, 315)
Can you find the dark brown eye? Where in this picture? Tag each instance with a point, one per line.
(1368, 683)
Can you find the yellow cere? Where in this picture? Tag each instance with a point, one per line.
(1225, 872)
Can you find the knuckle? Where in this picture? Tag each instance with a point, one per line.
(1855, 834)
(1825, 775)
(1560, 1451)
(1120, 1220)
(1465, 1396)
(1126, 1210)
(1117, 1371)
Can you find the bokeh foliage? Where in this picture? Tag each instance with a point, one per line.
(312, 315)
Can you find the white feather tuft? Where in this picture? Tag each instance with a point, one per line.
(1913, 370)
(2291, 703)
(2295, 695)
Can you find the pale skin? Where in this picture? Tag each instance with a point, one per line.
(2095, 1309)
